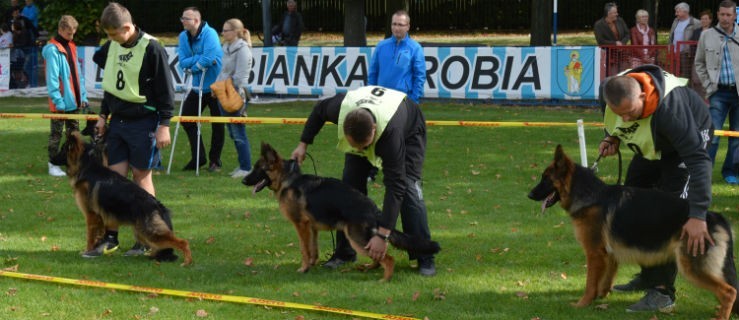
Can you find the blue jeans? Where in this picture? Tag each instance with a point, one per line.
(237, 132)
(723, 103)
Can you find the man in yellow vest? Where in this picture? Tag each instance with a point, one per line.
(378, 127)
(668, 127)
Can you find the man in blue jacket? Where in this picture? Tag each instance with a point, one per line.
(65, 85)
(398, 62)
(200, 53)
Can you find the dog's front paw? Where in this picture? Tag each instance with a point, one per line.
(580, 304)
(303, 269)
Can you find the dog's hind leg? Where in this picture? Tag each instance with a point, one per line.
(709, 271)
(166, 241)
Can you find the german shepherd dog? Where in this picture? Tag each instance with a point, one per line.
(315, 203)
(108, 200)
(617, 224)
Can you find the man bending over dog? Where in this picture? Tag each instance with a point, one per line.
(139, 96)
(383, 128)
(668, 127)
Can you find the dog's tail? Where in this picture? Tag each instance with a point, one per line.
(729, 268)
(165, 255)
(413, 244)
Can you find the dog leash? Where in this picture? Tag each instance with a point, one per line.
(594, 167)
(315, 172)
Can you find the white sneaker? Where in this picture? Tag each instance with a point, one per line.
(239, 173)
(56, 171)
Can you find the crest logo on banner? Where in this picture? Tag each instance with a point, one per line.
(574, 73)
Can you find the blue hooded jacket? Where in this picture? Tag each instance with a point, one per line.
(400, 66)
(200, 52)
(59, 79)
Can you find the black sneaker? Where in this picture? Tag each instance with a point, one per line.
(635, 284)
(215, 167)
(138, 249)
(105, 246)
(191, 165)
(337, 261)
(426, 267)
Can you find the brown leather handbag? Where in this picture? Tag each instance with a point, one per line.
(230, 100)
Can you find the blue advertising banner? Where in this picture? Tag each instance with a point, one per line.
(498, 73)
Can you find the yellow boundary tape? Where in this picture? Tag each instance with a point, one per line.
(263, 120)
(201, 295)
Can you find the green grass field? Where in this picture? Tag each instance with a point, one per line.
(501, 259)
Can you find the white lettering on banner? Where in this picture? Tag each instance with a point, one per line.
(451, 72)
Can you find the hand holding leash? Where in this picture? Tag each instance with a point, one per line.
(608, 146)
(696, 231)
(299, 152)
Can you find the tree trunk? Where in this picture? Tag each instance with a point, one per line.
(392, 7)
(355, 24)
(541, 22)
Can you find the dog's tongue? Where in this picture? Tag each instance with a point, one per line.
(544, 206)
(258, 187)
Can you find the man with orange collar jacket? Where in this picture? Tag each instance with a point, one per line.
(668, 127)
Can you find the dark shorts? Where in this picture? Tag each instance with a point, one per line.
(133, 140)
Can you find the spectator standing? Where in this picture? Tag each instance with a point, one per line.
(717, 66)
(684, 27)
(288, 32)
(611, 29)
(21, 40)
(378, 127)
(668, 127)
(31, 11)
(398, 62)
(65, 85)
(200, 53)
(6, 37)
(643, 35)
(8, 14)
(706, 19)
(138, 95)
(237, 66)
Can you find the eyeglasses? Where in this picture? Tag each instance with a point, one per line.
(186, 19)
(399, 25)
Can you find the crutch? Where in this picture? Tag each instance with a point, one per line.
(200, 111)
(185, 81)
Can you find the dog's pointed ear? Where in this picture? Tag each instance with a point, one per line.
(270, 154)
(562, 162)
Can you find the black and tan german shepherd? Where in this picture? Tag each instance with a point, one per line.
(617, 224)
(108, 200)
(314, 203)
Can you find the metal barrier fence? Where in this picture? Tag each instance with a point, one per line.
(676, 59)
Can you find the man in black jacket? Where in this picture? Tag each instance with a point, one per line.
(383, 128)
(288, 32)
(668, 127)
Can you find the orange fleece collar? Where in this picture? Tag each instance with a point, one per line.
(650, 90)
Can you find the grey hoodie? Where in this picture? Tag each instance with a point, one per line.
(236, 63)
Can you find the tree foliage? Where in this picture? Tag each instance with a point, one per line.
(87, 13)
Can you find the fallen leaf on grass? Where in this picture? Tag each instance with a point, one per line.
(522, 295)
(107, 312)
(563, 276)
(247, 215)
(210, 240)
(389, 300)
(11, 291)
(475, 172)
(415, 296)
(153, 310)
(603, 306)
(55, 248)
(249, 262)
(43, 238)
(300, 318)
(201, 313)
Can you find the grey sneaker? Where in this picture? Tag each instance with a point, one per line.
(653, 301)
(138, 249)
(105, 246)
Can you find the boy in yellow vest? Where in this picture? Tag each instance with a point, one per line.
(139, 97)
(668, 127)
(378, 127)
